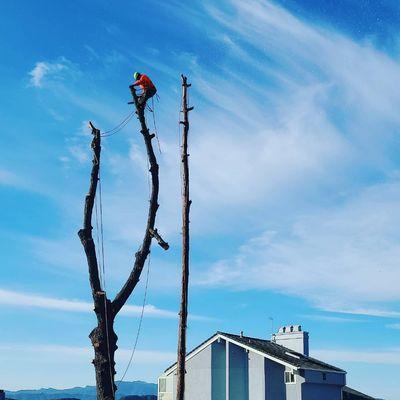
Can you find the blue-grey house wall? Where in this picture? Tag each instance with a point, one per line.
(332, 378)
(238, 373)
(275, 388)
(218, 371)
(319, 384)
(315, 391)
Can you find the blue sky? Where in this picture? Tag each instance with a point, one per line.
(295, 179)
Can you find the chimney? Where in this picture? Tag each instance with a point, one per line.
(292, 337)
(2, 395)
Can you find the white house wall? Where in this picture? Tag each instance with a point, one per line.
(256, 377)
(293, 390)
(198, 376)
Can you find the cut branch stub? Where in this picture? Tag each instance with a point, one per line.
(154, 233)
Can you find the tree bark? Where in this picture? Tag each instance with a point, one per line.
(143, 252)
(180, 392)
(103, 337)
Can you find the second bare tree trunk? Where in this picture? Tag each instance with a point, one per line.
(180, 391)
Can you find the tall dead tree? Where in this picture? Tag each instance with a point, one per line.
(180, 390)
(103, 337)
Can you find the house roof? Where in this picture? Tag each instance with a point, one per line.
(268, 349)
(283, 353)
(351, 394)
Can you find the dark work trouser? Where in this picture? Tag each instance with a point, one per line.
(147, 94)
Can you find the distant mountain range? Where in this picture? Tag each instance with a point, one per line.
(84, 393)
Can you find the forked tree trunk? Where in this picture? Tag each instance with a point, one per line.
(103, 337)
(180, 390)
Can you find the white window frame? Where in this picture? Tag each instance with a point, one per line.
(291, 374)
(167, 395)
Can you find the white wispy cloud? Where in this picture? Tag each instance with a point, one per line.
(8, 178)
(329, 318)
(142, 356)
(30, 360)
(282, 125)
(79, 153)
(371, 312)
(39, 72)
(283, 151)
(393, 326)
(51, 70)
(18, 299)
(385, 357)
(344, 255)
(340, 60)
(20, 179)
(27, 300)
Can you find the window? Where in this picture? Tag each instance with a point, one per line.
(324, 376)
(162, 385)
(165, 388)
(289, 377)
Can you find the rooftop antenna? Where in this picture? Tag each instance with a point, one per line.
(272, 325)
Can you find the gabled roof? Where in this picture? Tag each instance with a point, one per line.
(351, 394)
(298, 360)
(268, 349)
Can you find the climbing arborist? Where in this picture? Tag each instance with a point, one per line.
(145, 83)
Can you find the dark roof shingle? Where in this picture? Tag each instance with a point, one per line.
(351, 394)
(282, 353)
(275, 350)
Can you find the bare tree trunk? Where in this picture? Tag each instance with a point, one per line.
(143, 252)
(180, 392)
(103, 337)
(104, 341)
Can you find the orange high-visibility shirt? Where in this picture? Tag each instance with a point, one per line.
(144, 82)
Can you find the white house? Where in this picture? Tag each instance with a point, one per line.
(237, 367)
